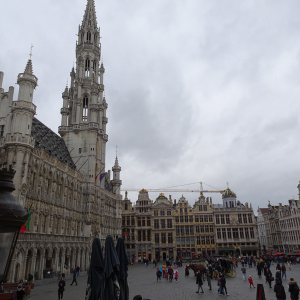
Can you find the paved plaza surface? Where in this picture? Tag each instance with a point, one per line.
(142, 280)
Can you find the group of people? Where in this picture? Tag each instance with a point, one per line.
(263, 266)
(166, 272)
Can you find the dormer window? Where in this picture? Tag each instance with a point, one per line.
(85, 109)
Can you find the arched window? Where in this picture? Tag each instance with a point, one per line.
(85, 108)
(87, 68)
(88, 36)
(94, 68)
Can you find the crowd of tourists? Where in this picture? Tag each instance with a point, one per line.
(215, 268)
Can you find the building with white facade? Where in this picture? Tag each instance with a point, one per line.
(261, 228)
(55, 175)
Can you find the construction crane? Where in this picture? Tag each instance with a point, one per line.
(201, 191)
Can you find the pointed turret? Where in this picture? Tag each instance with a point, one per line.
(89, 18)
(28, 69)
(116, 177)
(27, 82)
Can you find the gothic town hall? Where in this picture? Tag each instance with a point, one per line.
(55, 174)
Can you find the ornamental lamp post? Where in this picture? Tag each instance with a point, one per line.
(12, 218)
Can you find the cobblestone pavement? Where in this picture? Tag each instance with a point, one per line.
(142, 280)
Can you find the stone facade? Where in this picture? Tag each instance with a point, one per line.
(180, 230)
(261, 228)
(235, 225)
(55, 175)
(284, 224)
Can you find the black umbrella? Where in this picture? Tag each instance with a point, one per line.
(111, 270)
(123, 273)
(95, 279)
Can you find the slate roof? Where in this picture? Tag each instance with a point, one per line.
(51, 142)
(264, 210)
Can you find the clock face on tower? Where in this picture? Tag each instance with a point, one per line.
(23, 188)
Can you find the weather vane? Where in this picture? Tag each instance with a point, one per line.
(116, 150)
(31, 51)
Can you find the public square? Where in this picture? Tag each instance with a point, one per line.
(142, 280)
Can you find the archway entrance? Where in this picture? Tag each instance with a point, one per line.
(17, 275)
(28, 263)
(37, 274)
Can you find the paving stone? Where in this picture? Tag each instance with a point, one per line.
(142, 281)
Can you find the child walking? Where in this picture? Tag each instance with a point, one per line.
(250, 280)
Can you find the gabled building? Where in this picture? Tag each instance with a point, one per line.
(236, 231)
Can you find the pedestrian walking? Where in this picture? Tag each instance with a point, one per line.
(279, 290)
(258, 270)
(270, 278)
(61, 288)
(77, 270)
(199, 281)
(293, 289)
(74, 277)
(283, 270)
(186, 271)
(170, 274)
(223, 284)
(209, 280)
(220, 290)
(176, 274)
(243, 269)
(158, 274)
(250, 280)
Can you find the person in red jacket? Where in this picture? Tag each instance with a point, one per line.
(250, 280)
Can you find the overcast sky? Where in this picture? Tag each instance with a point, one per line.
(196, 90)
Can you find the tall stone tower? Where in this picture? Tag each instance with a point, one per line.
(83, 123)
(17, 119)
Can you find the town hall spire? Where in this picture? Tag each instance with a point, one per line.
(89, 18)
(83, 122)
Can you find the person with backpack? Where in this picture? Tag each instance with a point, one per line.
(158, 274)
(293, 289)
(279, 290)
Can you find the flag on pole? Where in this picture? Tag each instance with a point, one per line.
(101, 176)
(25, 227)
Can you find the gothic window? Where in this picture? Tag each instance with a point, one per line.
(88, 36)
(94, 68)
(85, 109)
(87, 68)
(1, 130)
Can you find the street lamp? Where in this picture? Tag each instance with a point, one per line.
(12, 217)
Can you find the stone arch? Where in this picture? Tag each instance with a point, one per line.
(38, 271)
(29, 262)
